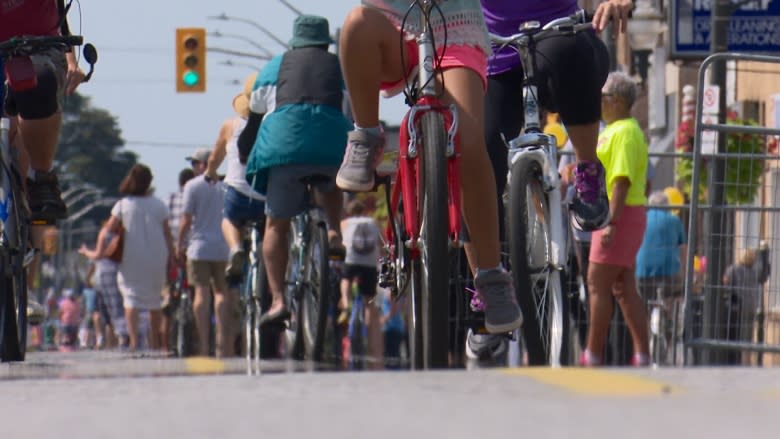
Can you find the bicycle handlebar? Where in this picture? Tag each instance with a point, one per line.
(32, 44)
(532, 30)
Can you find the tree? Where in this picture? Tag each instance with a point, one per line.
(91, 150)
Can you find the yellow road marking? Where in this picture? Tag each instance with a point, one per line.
(204, 365)
(595, 382)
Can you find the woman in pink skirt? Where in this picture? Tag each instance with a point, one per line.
(622, 150)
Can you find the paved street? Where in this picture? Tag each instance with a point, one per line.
(118, 395)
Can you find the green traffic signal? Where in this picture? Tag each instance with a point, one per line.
(190, 78)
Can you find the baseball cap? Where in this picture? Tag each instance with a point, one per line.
(200, 155)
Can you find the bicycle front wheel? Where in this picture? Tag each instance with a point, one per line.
(434, 273)
(13, 317)
(537, 283)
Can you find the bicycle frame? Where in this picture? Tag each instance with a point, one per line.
(408, 176)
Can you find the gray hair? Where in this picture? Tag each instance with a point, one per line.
(622, 85)
(658, 198)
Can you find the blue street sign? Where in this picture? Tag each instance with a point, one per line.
(753, 28)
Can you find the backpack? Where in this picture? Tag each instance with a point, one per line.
(364, 238)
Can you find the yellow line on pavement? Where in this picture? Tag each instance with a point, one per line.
(597, 382)
(204, 365)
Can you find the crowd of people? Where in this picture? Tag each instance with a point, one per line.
(291, 122)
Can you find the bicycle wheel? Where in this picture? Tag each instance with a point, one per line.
(185, 326)
(292, 337)
(434, 254)
(545, 327)
(14, 318)
(316, 291)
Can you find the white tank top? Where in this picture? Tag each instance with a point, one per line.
(235, 176)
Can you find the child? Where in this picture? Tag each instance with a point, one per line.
(70, 319)
(372, 60)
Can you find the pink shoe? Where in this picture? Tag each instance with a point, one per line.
(587, 359)
(640, 360)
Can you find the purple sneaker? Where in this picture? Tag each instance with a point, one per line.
(590, 207)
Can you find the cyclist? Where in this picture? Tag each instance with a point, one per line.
(372, 60)
(570, 71)
(39, 111)
(242, 204)
(299, 97)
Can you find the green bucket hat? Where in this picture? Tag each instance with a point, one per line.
(310, 30)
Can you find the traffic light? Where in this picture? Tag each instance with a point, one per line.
(190, 60)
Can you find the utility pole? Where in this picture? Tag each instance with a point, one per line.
(717, 223)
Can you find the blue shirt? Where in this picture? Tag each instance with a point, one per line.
(394, 323)
(659, 254)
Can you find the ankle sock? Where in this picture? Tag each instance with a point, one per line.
(481, 271)
(374, 131)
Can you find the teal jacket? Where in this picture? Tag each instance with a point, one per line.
(301, 93)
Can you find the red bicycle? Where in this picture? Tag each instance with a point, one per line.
(424, 206)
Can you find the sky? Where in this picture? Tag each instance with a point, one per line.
(135, 75)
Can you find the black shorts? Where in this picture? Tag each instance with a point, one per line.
(367, 278)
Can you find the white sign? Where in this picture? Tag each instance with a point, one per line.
(711, 99)
(709, 139)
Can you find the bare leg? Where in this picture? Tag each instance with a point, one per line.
(155, 335)
(200, 307)
(222, 309)
(232, 234)
(40, 137)
(465, 90)
(601, 277)
(131, 316)
(633, 308)
(332, 202)
(585, 139)
(275, 258)
(370, 54)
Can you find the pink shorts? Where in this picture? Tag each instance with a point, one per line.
(629, 232)
(470, 57)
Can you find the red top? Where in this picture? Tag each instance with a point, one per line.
(28, 17)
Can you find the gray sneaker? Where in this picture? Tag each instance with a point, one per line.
(236, 262)
(486, 347)
(364, 151)
(36, 313)
(502, 313)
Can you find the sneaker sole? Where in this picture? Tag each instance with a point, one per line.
(504, 327)
(351, 187)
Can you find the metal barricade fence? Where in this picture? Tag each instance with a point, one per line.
(732, 312)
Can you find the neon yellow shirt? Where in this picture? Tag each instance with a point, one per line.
(623, 152)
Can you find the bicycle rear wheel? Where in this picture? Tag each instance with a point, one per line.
(434, 254)
(546, 327)
(315, 297)
(13, 319)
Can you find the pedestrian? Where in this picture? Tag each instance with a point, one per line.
(69, 311)
(147, 251)
(107, 289)
(206, 254)
(622, 150)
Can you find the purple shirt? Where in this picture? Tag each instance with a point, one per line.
(504, 17)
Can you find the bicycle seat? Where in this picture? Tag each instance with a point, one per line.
(316, 179)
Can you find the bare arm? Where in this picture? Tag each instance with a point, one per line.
(100, 246)
(220, 149)
(168, 239)
(184, 226)
(618, 200)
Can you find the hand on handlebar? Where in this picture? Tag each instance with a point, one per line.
(615, 10)
(73, 77)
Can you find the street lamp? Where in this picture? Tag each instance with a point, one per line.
(223, 16)
(644, 28)
(219, 34)
(295, 10)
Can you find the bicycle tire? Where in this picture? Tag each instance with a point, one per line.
(545, 326)
(316, 294)
(434, 253)
(14, 325)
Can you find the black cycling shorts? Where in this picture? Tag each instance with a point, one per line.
(367, 278)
